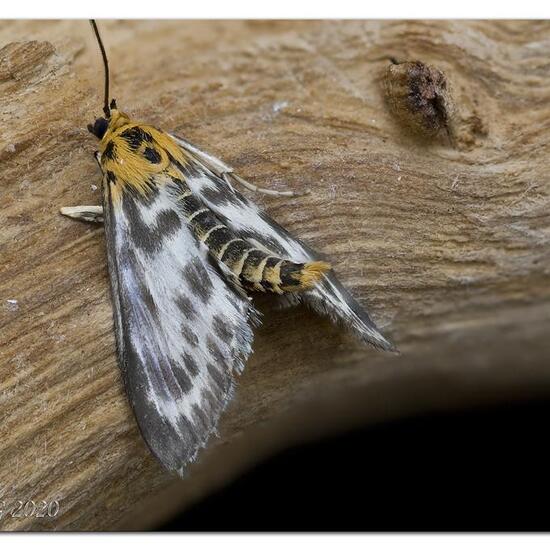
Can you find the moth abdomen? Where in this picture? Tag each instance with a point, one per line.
(271, 278)
(217, 239)
(287, 276)
(189, 203)
(262, 271)
(203, 222)
(255, 268)
(233, 254)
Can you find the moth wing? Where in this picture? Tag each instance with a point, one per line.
(210, 179)
(182, 331)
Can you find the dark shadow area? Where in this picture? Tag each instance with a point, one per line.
(486, 469)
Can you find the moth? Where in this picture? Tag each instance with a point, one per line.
(186, 252)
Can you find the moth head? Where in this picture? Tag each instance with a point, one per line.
(99, 127)
(101, 124)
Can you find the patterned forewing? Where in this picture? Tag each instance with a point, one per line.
(182, 331)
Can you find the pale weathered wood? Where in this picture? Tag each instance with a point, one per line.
(448, 247)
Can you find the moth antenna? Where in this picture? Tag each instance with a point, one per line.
(106, 109)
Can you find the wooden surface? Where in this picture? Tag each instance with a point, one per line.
(447, 246)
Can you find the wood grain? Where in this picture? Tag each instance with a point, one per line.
(447, 246)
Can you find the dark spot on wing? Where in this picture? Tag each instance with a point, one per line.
(185, 305)
(192, 278)
(149, 237)
(198, 279)
(219, 326)
(216, 374)
(176, 380)
(140, 232)
(152, 155)
(205, 277)
(190, 364)
(183, 379)
(168, 222)
(110, 151)
(189, 335)
(215, 351)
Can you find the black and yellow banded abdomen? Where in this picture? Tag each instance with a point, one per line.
(287, 276)
(256, 269)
